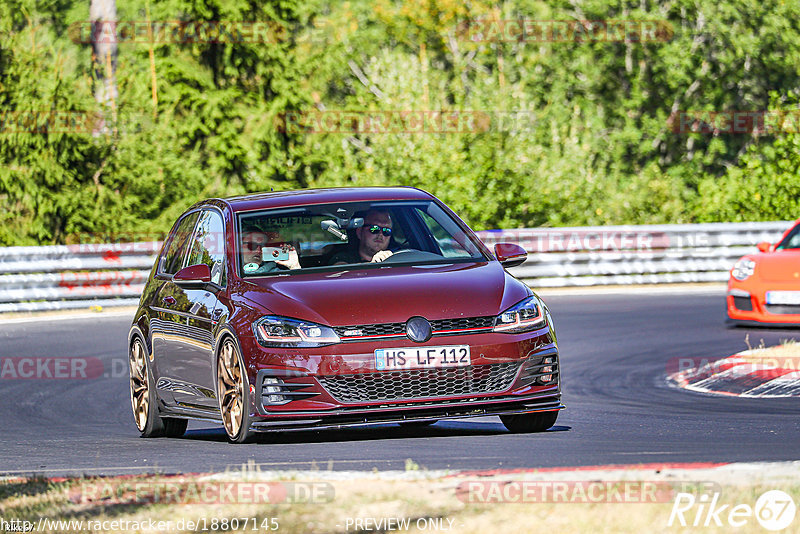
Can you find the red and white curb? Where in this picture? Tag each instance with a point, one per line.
(751, 373)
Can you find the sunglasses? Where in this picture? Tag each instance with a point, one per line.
(253, 245)
(374, 229)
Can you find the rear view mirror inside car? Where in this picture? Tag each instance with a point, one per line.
(333, 227)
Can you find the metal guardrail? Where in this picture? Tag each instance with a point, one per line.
(81, 276)
(642, 254)
(74, 276)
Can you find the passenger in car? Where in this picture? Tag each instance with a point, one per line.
(252, 258)
(373, 240)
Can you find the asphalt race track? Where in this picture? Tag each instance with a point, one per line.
(615, 351)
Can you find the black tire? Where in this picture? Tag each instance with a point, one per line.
(144, 400)
(529, 422)
(233, 392)
(174, 428)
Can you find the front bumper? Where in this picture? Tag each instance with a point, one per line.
(747, 305)
(520, 375)
(360, 418)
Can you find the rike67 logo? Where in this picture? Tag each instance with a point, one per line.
(774, 510)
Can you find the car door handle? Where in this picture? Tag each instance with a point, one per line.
(169, 300)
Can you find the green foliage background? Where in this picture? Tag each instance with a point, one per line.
(599, 149)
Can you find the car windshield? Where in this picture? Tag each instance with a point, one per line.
(791, 241)
(351, 235)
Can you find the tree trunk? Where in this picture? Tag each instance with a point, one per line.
(103, 15)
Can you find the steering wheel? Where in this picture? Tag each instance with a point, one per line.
(396, 252)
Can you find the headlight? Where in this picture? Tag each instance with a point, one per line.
(521, 317)
(743, 269)
(274, 331)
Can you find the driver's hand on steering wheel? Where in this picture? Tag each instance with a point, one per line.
(382, 255)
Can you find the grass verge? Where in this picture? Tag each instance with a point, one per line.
(414, 501)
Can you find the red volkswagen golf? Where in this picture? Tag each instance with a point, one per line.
(334, 308)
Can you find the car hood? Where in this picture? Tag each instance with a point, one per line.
(390, 294)
(779, 265)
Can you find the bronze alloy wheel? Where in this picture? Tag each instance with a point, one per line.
(231, 392)
(144, 400)
(140, 393)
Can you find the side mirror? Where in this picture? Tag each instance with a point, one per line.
(764, 246)
(510, 255)
(194, 277)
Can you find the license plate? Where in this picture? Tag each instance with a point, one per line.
(783, 297)
(422, 357)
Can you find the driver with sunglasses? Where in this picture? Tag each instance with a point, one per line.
(373, 240)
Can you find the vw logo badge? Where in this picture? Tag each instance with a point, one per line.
(418, 329)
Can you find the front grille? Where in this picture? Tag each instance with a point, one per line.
(462, 324)
(783, 309)
(421, 383)
(369, 330)
(439, 326)
(743, 303)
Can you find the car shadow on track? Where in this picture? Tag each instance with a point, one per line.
(379, 432)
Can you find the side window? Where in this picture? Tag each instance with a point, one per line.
(792, 241)
(399, 227)
(172, 260)
(447, 242)
(208, 245)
